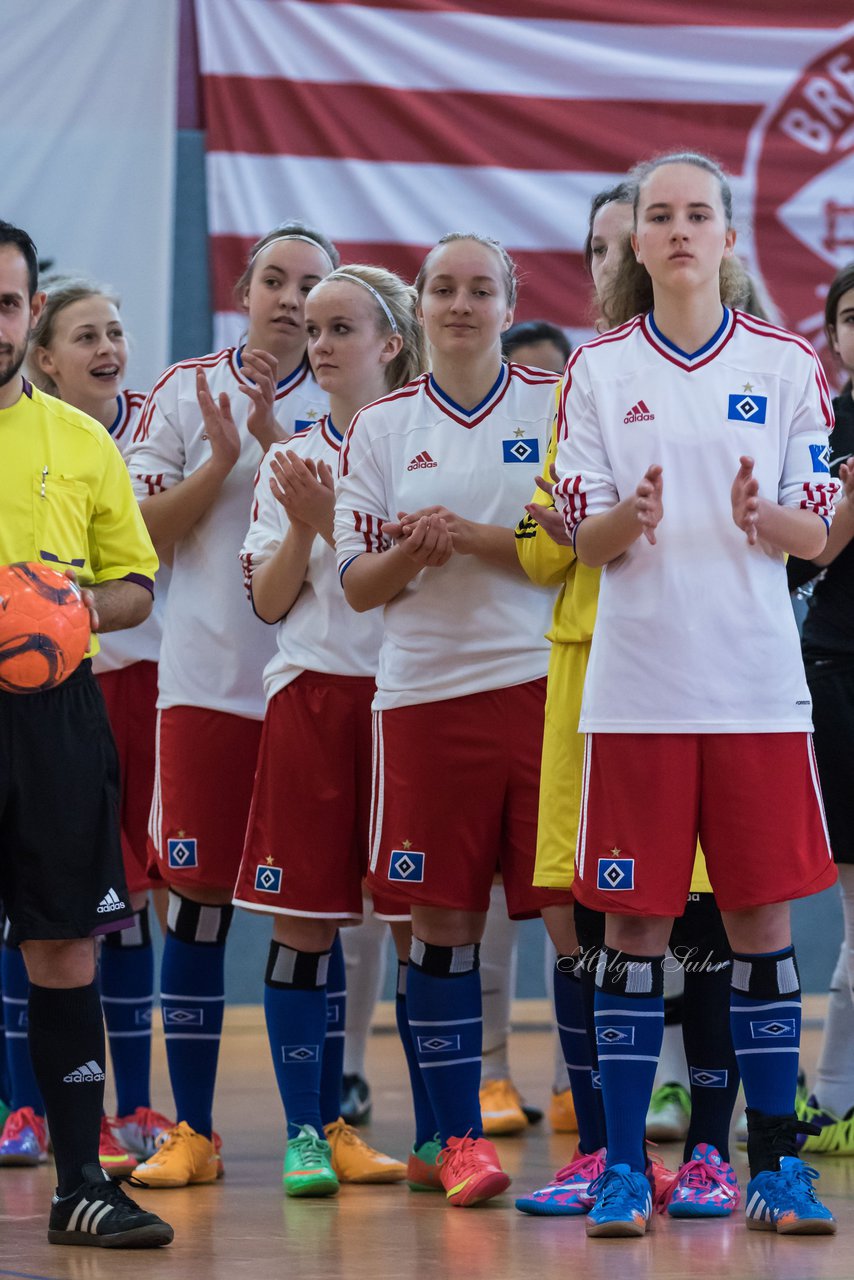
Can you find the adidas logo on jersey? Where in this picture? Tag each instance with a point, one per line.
(421, 461)
(87, 1074)
(639, 413)
(110, 902)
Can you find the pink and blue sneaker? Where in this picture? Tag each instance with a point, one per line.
(24, 1138)
(705, 1186)
(568, 1192)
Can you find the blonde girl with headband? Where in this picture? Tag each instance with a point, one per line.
(429, 480)
(201, 437)
(306, 844)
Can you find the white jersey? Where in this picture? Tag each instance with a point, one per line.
(135, 644)
(468, 626)
(320, 632)
(214, 649)
(695, 634)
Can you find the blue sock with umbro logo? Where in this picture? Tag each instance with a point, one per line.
(577, 1053)
(295, 1010)
(629, 1005)
(24, 1089)
(765, 1017)
(332, 1069)
(444, 1006)
(127, 982)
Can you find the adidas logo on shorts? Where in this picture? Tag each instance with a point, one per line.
(639, 413)
(110, 902)
(87, 1074)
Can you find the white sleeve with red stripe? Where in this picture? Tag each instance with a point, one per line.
(361, 502)
(268, 526)
(806, 482)
(586, 484)
(156, 459)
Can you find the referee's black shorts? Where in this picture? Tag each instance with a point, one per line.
(831, 684)
(61, 870)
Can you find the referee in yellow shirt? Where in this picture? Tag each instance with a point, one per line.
(67, 501)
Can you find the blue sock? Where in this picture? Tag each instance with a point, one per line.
(444, 1006)
(127, 983)
(192, 1000)
(765, 1017)
(575, 1042)
(332, 1068)
(629, 1028)
(5, 1078)
(426, 1127)
(295, 1009)
(23, 1090)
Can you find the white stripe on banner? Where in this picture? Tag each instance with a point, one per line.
(355, 44)
(364, 200)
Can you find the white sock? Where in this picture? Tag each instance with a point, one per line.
(365, 946)
(498, 957)
(834, 1081)
(672, 1067)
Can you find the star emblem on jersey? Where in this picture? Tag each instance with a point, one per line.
(182, 853)
(747, 408)
(521, 450)
(406, 844)
(268, 879)
(616, 873)
(774, 1029)
(519, 432)
(615, 1035)
(300, 1053)
(406, 864)
(269, 859)
(708, 1079)
(748, 386)
(438, 1044)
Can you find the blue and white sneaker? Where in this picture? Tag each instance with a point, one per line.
(623, 1203)
(785, 1201)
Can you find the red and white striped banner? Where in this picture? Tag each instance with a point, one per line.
(389, 124)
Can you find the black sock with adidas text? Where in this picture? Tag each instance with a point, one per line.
(66, 1036)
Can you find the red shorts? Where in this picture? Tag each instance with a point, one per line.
(456, 788)
(131, 696)
(753, 799)
(306, 850)
(202, 789)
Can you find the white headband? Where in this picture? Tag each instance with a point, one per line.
(293, 235)
(345, 275)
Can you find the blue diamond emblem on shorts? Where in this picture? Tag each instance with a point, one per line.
(406, 865)
(182, 854)
(268, 879)
(616, 873)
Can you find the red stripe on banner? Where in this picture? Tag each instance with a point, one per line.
(712, 13)
(552, 285)
(263, 116)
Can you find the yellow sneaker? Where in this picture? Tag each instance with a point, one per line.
(562, 1112)
(181, 1157)
(501, 1108)
(354, 1161)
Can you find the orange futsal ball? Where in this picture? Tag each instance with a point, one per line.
(45, 628)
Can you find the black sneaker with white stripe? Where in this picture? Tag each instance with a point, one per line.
(100, 1215)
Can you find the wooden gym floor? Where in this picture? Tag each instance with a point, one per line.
(242, 1227)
